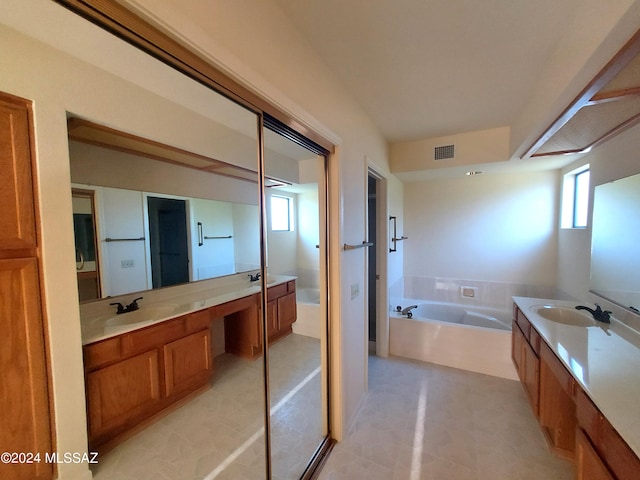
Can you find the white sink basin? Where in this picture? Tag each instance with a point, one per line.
(144, 314)
(564, 315)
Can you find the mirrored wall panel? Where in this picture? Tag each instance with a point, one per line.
(296, 311)
(615, 249)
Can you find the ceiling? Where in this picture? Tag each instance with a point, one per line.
(428, 68)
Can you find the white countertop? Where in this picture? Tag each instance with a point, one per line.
(100, 325)
(604, 359)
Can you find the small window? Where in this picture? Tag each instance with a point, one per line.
(575, 198)
(281, 214)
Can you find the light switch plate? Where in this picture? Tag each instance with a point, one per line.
(355, 290)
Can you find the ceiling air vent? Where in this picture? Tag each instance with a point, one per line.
(444, 152)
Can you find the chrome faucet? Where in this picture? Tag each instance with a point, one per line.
(406, 311)
(129, 308)
(598, 314)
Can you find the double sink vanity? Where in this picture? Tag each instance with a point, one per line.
(582, 378)
(140, 363)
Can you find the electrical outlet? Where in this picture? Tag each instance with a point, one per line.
(355, 290)
(126, 263)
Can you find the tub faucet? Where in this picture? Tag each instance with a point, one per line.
(407, 310)
(598, 314)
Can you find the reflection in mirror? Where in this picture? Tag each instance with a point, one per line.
(296, 319)
(84, 227)
(186, 377)
(162, 237)
(615, 249)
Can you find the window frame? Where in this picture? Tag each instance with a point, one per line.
(575, 200)
(290, 223)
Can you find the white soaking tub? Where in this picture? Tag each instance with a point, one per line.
(308, 309)
(477, 339)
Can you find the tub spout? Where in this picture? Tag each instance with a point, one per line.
(407, 310)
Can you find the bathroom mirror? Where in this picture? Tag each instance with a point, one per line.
(202, 233)
(295, 247)
(615, 248)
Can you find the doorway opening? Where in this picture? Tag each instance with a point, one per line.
(372, 277)
(168, 241)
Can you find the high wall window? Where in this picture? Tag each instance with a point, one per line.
(281, 213)
(575, 198)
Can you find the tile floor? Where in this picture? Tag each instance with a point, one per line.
(418, 421)
(424, 421)
(219, 435)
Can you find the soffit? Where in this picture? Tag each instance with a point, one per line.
(609, 105)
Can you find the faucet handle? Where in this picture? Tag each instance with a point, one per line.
(120, 307)
(134, 304)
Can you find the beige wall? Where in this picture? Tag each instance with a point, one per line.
(498, 228)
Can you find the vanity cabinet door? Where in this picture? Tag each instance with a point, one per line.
(188, 363)
(589, 466)
(286, 312)
(527, 364)
(517, 339)
(531, 375)
(557, 407)
(272, 318)
(122, 394)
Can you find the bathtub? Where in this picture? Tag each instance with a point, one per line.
(477, 339)
(308, 309)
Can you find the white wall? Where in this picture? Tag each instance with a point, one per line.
(499, 228)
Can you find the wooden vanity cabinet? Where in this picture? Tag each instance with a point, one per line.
(600, 451)
(574, 427)
(281, 309)
(557, 407)
(243, 333)
(525, 354)
(134, 376)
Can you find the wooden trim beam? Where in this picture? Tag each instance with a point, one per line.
(630, 50)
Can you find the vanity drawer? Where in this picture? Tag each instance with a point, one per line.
(291, 286)
(198, 320)
(153, 336)
(276, 291)
(101, 353)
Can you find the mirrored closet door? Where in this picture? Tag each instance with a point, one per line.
(296, 311)
(210, 233)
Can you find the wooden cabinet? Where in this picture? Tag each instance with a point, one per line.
(525, 355)
(557, 407)
(600, 451)
(25, 424)
(243, 331)
(121, 395)
(281, 309)
(589, 466)
(134, 376)
(573, 426)
(187, 363)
